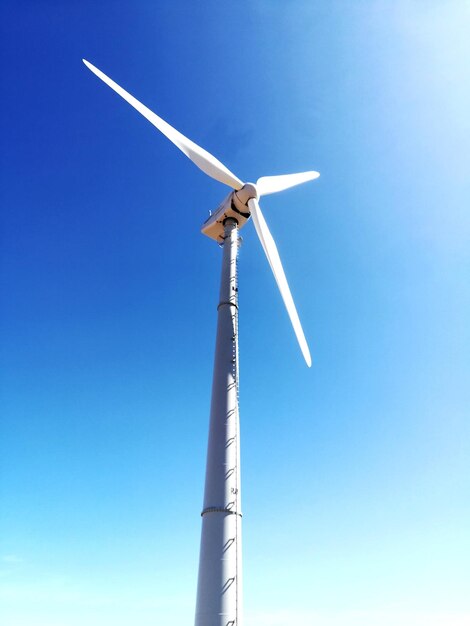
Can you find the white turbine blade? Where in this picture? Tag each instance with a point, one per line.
(272, 254)
(200, 157)
(272, 184)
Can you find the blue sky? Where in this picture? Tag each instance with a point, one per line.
(355, 472)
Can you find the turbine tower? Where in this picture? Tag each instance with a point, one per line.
(219, 591)
(219, 582)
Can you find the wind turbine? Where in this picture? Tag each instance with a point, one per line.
(219, 592)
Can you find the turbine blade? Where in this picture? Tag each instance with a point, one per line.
(272, 255)
(272, 184)
(200, 157)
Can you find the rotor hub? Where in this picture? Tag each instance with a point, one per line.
(247, 192)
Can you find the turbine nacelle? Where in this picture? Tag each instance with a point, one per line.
(234, 206)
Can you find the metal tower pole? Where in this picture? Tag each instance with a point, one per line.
(219, 589)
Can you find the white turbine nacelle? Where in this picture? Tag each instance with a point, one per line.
(235, 206)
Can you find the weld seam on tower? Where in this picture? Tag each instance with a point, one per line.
(229, 303)
(220, 509)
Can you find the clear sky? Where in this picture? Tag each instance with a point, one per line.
(356, 477)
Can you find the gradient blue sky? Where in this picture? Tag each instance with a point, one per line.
(356, 478)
